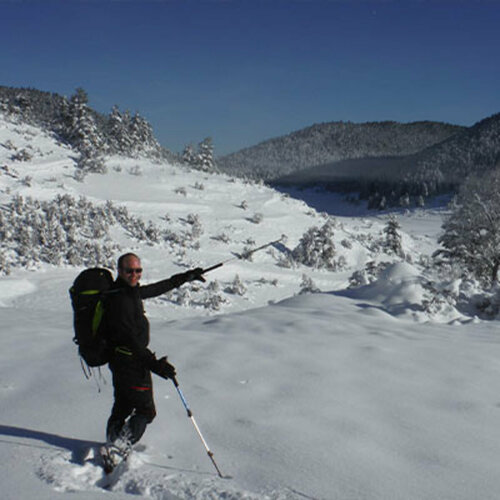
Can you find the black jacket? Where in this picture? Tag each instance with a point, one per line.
(127, 326)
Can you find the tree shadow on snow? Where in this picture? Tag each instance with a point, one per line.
(77, 447)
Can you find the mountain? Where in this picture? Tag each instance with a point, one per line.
(327, 143)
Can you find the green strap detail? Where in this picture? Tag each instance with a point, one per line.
(96, 320)
(123, 350)
(90, 292)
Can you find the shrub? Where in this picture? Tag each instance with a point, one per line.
(256, 218)
(223, 237)
(236, 287)
(307, 285)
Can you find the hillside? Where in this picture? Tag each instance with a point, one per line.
(73, 122)
(332, 142)
(52, 217)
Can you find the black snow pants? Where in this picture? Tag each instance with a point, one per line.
(133, 400)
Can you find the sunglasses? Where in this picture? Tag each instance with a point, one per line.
(132, 270)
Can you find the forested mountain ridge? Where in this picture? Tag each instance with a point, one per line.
(331, 142)
(386, 163)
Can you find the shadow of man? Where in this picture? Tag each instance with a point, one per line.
(77, 447)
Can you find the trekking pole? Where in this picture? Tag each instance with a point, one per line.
(190, 415)
(244, 255)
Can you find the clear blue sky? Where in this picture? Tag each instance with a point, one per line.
(245, 71)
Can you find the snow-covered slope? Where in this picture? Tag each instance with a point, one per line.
(344, 394)
(209, 219)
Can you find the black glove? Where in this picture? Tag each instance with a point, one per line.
(163, 368)
(194, 275)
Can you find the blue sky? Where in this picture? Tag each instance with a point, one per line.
(245, 71)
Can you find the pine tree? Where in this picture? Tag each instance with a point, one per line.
(393, 237)
(205, 158)
(81, 129)
(404, 200)
(90, 161)
(141, 134)
(118, 127)
(189, 156)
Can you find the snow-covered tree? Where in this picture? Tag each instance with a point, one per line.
(237, 287)
(81, 129)
(189, 155)
(119, 131)
(307, 285)
(392, 234)
(316, 247)
(196, 227)
(141, 134)
(4, 265)
(90, 161)
(404, 200)
(205, 158)
(183, 296)
(213, 298)
(471, 235)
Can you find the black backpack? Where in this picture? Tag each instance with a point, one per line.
(88, 295)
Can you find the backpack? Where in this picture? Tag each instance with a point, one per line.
(88, 298)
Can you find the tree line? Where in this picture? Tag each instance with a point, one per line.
(75, 123)
(94, 134)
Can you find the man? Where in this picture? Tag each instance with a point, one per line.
(131, 362)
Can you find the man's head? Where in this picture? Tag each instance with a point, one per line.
(129, 268)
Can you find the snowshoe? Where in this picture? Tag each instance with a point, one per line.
(116, 452)
(112, 457)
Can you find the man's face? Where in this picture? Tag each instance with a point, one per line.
(131, 270)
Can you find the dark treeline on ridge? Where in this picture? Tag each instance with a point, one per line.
(386, 163)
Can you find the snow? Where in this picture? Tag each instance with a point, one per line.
(398, 290)
(352, 393)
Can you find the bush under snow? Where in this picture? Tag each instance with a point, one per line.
(66, 230)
